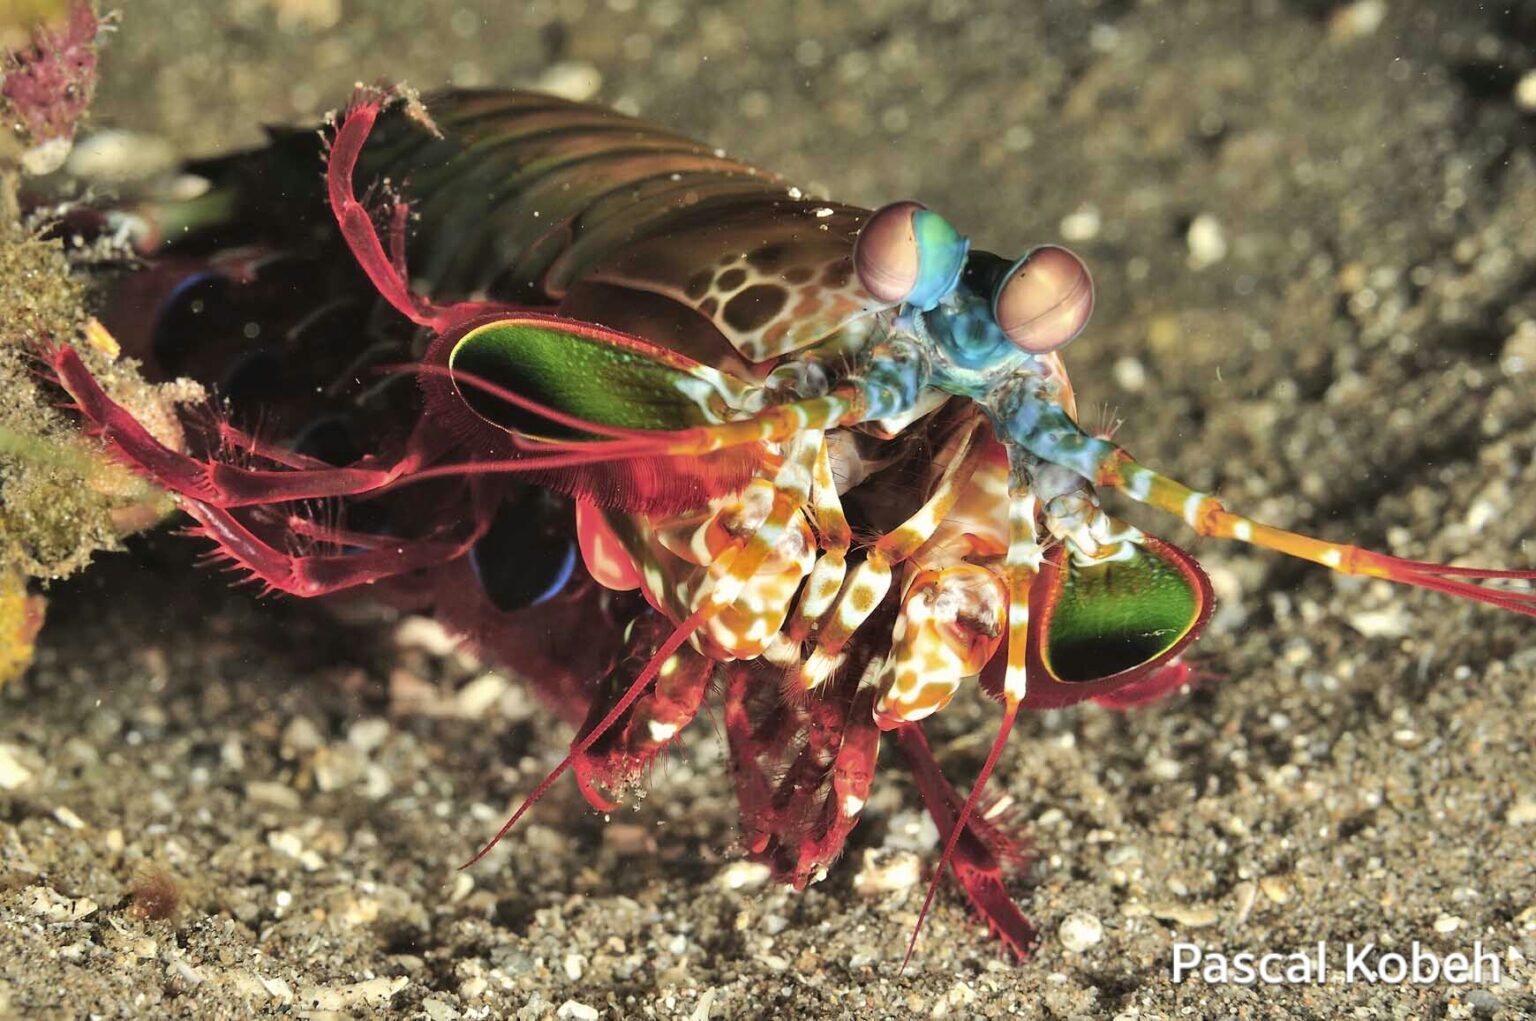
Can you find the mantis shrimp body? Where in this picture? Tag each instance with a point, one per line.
(701, 384)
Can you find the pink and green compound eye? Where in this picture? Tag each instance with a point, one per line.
(1044, 300)
(908, 255)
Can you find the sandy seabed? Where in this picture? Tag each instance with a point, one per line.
(1310, 226)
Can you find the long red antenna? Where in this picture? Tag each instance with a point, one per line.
(636, 689)
(517, 400)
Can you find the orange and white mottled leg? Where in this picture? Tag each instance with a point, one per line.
(834, 537)
(676, 559)
(950, 625)
(868, 583)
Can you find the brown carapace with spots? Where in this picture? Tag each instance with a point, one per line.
(646, 423)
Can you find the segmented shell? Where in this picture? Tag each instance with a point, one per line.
(537, 199)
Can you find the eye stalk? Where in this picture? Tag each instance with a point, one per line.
(908, 255)
(1044, 300)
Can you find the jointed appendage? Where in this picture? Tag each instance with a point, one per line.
(728, 576)
(317, 574)
(868, 583)
(981, 856)
(1046, 433)
(385, 270)
(825, 581)
(211, 482)
(210, 490)
(1207, 516)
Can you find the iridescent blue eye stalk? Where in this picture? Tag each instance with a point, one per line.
(908, 255)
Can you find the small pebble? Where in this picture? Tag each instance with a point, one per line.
(278, 795)
(1390, 622)
(64, 815)
(1448, 923)
(463, 886)
(743, 875)
(278, 989)
(1183, 914)
(1082, 225)
(1245, 894)
(1519, 352)
(1051, 817)
(1207, 241)
(286, 842)
(885, 871)
(702, 1010)
(1129, 374)
(117, 157)
(426, 634)
(301, 735)
(188, 974)
(1525, 92)
(367, 735)
(439, 1010)
(1521, 813)
(45, 157)
(1124, 854)
(338, 766)
(574, 1010)
(1276, 889)
(1356, 20)
(1079, 931)
(12, 773)
(479, 696)
(1484, 1002)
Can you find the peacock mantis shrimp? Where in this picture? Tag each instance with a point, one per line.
(634, 352)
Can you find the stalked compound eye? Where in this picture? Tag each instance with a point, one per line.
(906, 254)
(1044, 300)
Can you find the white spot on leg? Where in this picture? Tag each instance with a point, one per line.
(795, 478)
(782, 652)
(1331, 558)
(661, 732)
(1192, 505)
(1242, 532)
(817, 669)
(1016, 682)
(1138, 483)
